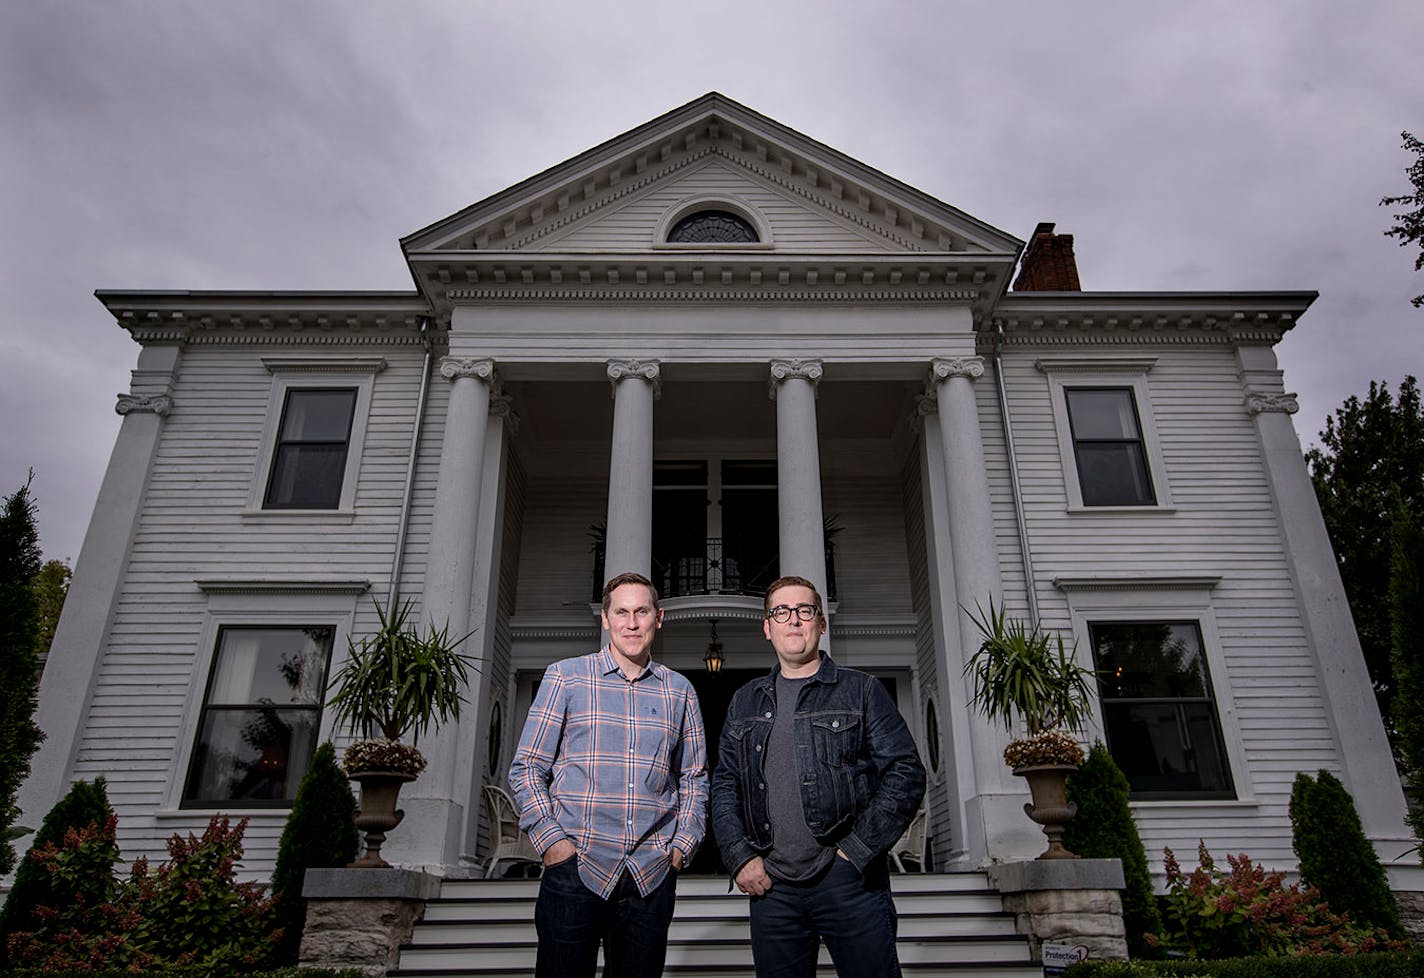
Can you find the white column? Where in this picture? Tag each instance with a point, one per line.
(798, 470)
(1366, 765)
(994, 823)
(450, 567)
(83, 630)
(629, 537)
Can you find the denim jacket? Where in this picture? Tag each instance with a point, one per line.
(860, 773)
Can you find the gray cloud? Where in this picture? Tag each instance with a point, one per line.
(271, 145)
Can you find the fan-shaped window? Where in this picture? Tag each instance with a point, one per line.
(712, 227)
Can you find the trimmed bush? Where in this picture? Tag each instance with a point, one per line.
(85, 804)
(1394, 964)
(1104, 829)
(179, 971)
(320, 833)
(1335, 855)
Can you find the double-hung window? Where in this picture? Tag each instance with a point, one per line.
(309, 458)
(1107, 435)
(1108, 448)
(1159, 715)
(260, 715)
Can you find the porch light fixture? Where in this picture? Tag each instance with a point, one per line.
(713, 658)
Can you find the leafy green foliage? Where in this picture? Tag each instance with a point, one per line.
(19, 663)
(1409, 226)
(1104, 829)
(400, 679)
(1021, 672)
(1213, 914)
(320, 833)
(1335, 855)
(51, 588)
(191, 911)
(1394, 964)
(1406, 599)
(85, 804)
(1368, 467)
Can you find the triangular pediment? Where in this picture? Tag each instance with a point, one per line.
(617, 197)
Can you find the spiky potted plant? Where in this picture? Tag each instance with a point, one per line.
(1026, 675)
(394, 681)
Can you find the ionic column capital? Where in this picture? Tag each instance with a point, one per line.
(456, 368)
(925, 405)
(944, 368)
(1260, 403)
(794, 369)
(502, 406)
(160, 404)
(649, 370)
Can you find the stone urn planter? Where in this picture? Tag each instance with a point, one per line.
(1048, 785)
(396, 681)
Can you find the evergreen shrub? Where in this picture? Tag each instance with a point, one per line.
(320, 833)
(19, 657)
(85, 804)
(1104, 828)
(1335, 855)
(179, 971)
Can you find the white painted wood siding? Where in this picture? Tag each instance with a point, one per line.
(796, 225)
(1224, 524)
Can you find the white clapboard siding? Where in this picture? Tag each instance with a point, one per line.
(797, 224)
(861, 487)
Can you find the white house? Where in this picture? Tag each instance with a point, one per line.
(728, 351)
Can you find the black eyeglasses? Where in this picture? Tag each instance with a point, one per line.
(782, 613)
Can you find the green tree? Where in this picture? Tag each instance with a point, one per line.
(19, 669)
(51, 588)
(1336, 857)
(1370, 465)
(1103, 828)
(1409, 225)
(1406, 595)
(85, 804)
(320, 833)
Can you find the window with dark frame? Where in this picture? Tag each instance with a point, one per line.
(261, 716)
(1159, 716)
(1108, 447)
(309, 459)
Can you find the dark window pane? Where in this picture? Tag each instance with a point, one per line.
(1113, 474)
(679, 474)
(1102, 412)
(270, 666)
(1167, 748)
(1158, 716)
(753, 473)
(257, 754)
(322, 415)
(307, 476)
(712, 226)
(1149, 660)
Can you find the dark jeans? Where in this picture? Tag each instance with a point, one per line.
(572, 920)
(854, 916)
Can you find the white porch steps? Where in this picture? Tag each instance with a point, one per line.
(951, 925)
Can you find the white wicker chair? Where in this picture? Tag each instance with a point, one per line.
(911, 845)
(506, 841)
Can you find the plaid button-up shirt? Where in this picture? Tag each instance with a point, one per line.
(618, 766)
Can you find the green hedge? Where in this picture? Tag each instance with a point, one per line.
(180, 972)
(1395, 964)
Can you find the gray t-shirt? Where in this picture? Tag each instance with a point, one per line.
(795, 853)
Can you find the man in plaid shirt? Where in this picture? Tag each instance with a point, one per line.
(610, 778)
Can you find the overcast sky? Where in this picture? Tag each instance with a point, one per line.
(273, 144)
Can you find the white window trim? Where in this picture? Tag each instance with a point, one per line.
(270, 603)
(1131, 372)
(311, 373)
(1163, 598)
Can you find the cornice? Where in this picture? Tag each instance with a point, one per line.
(1159, 582)
(287, 363)
(651, 295)
(277, 585)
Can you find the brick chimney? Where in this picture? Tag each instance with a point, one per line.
(1048, 263)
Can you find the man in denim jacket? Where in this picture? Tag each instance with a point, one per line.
(817, 776)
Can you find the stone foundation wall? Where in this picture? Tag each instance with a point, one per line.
(1411, 913)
